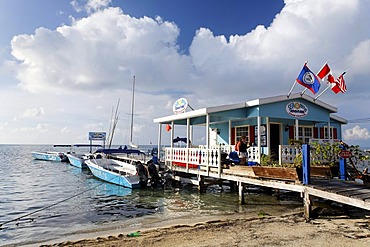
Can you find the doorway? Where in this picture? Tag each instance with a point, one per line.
(274, 141)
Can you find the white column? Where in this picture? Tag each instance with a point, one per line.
(188, 132)
(207, 130)
(268, 134)
(172, 132)
(296, 124)
(259, 138)
(159, 141)
(329, 135)
(230, 136)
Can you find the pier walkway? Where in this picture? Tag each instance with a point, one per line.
(345, 192)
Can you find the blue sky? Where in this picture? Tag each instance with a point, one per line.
(65, 64)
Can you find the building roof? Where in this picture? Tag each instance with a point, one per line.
(247, 104)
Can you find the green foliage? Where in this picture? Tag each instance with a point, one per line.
(325, 154)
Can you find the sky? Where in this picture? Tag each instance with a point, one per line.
(65, 65)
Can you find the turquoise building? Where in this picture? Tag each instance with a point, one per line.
(279, 119)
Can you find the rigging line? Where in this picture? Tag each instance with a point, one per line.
(51, 205)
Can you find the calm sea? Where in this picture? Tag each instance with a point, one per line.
(57, 201)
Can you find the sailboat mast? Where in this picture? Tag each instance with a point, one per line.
(132, 110)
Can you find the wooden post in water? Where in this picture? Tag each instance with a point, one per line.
(201, 186)
(241, 194)
(307, 205)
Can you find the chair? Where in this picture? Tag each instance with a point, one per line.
(234, 158)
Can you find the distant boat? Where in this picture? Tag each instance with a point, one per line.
(78, 159)
(114, 171)
(52, 155)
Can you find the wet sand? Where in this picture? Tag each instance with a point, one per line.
(237, 230)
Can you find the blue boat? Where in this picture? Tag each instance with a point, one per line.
(114, 171)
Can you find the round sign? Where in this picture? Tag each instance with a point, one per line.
(345, 154)
(296, 109)
(180, 106)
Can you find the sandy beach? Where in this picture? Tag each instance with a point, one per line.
(234, 230)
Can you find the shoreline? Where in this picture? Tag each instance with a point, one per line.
(239, 230)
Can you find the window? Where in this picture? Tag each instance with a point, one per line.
(263, 135)
(326, 133)
(305, 134)
(241, 131)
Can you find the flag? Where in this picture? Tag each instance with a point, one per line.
(168, 127)
(341, 83)
(338, 85)
(308, 79)
(324, 71)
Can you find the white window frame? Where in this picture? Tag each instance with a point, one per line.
(238, 135)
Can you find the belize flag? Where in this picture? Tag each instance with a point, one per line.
(308, 79)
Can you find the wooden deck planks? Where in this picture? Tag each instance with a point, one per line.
(347, 192)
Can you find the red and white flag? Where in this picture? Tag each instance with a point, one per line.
(324, 71)
(339, 84)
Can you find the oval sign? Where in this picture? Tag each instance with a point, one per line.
(296, 109)
(345, 154)
(180, 106)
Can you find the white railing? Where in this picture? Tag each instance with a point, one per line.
(287, 153)
(253, 154)
(194, 158)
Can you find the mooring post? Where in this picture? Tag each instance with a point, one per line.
(241, 194)
(201, 185)
(342, 166)
(306, 163)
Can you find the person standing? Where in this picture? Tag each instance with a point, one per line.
(242, 150)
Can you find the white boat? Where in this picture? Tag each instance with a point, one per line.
(78, 159)
(114, 171)
(52, 155)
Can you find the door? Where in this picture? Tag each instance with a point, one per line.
(274, 141)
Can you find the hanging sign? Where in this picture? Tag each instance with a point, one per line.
(180, 106)
(345, 154)
(296, 109)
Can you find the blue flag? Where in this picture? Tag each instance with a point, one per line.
(308, 79)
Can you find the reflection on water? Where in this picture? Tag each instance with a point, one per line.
(30, 185)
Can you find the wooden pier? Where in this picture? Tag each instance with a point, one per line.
(345, 192)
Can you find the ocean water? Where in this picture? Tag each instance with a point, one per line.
(47, 202)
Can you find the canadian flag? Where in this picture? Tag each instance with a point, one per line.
(324, 71)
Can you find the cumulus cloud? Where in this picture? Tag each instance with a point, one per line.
(99, 55)
(102, 51)
(39, 128)
(32, 112)
(356, 133)
(90, 6)
(65, 130)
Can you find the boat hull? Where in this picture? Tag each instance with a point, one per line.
(106, 174)
(77, 161)
(49, 156)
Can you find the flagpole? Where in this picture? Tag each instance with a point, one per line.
(295, 82)
(329, 85)
(304, 90)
